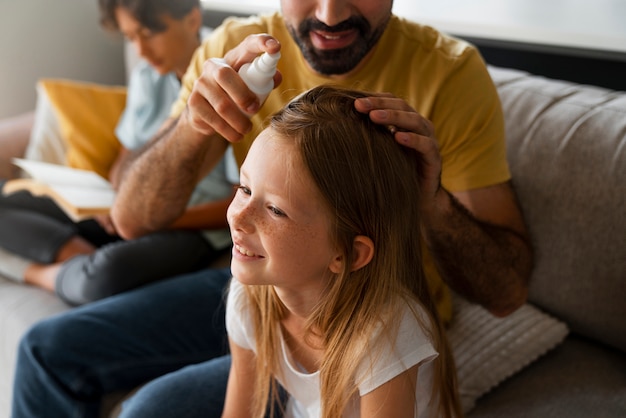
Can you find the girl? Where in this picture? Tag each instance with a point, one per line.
(328, 298)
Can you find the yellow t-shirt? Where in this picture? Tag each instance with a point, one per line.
(442, 78)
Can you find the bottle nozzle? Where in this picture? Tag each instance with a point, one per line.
(259, 74)
(267, 62)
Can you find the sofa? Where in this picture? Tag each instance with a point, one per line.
(564, 353)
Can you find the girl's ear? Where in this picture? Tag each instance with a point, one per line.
(363, 248)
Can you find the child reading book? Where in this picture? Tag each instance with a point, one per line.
(87, 260)
(328, 299)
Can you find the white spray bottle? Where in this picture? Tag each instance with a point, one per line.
(259, 74)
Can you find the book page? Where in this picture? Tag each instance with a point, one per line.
(59, 175)
(85, 199)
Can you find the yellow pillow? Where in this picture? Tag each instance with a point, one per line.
(88, 114)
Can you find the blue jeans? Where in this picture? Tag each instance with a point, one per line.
(192, 392)
(68, 362)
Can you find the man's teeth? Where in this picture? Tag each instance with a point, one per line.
(332, 37)
(243, 251)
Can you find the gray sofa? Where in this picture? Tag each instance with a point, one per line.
(567, 151)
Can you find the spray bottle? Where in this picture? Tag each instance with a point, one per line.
(259, 74)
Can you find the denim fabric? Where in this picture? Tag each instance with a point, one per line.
(196, 391)
(68, 362)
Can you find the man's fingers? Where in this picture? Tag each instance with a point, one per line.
(249, 48)
(387, 109)
(220, 101)
(403, 121)
(210, 109)
(409, 129)
(427, 148)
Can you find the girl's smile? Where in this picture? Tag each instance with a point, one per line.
(279, 222)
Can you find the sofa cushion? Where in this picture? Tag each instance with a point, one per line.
(488, 350)
(578, 379)
(566, 145)
(20, 307)
(88, 114)
(46, 140)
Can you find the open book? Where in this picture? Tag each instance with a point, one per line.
(80, 193)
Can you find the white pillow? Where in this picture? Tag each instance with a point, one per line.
(488, 350)
(46, 142)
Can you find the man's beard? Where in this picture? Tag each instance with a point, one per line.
(337, 61)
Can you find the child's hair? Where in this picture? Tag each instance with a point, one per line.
(370, 183)
(147, 12)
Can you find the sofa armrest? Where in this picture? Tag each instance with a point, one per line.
(14, 136)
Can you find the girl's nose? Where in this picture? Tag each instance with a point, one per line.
(240, 216)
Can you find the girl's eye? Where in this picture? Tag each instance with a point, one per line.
(244, 189)
(276, 211)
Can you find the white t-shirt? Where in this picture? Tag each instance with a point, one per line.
(412, 347)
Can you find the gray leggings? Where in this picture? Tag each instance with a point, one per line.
(125, 265)
(35, 228)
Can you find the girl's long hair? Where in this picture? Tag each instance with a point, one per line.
(371, 186)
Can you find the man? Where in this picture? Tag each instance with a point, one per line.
(473, 227)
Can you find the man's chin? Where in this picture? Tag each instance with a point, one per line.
(331, 62)
(332, 67)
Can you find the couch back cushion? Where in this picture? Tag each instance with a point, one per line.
(566, 145)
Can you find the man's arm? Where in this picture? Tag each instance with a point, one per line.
(481, 247)
(477, 237)
(156, 182)
(154, 189)
(209, 215)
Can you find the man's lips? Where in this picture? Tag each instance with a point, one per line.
(333, 40)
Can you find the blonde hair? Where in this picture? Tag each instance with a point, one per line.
(370, 183)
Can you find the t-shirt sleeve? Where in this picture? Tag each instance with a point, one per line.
(213, 46)
(148, 102)
(238, 322)
(470, 127)
(135, 97)
(411, 347)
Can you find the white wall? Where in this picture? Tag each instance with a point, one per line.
(53, 38)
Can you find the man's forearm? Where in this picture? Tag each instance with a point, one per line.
(155, 186)
(486, 263)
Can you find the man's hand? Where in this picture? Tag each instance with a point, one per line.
(477, 237)
(220, 101)
(410, 129)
